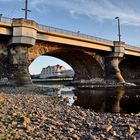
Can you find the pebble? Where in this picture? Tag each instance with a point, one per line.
(31, 114)
(131, 130)
(107, 127)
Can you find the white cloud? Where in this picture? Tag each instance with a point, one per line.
(102, 9)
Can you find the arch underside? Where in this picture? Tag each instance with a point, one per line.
(130, 68)
(85, 65)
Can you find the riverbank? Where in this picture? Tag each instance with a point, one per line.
(59, 81)
(29, 113)
(101, 83)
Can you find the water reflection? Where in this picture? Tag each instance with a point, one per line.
(117, 100)
(109, 100)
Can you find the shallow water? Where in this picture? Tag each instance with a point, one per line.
(117, 100)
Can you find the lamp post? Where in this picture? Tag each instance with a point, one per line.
(0, 17)
(78, 32)
(26, 9)
(119, 31)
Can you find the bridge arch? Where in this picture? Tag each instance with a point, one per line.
(85, 65)
(130, 68)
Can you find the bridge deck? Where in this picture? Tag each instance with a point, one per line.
(129, 49)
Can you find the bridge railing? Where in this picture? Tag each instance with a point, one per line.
(5, 19)
(78, 34)
(68, 32)
(132, 47)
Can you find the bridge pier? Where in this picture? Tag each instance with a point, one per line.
(18, 73)
(112, 70)
(24, 36)
(112, 63)
(3, 60)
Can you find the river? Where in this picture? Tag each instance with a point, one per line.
(114, 100)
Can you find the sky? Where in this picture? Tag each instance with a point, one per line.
(93, 17)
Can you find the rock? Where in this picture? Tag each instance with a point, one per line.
(114, 133)
(26, 121)
(74, 98)
(14, 123)
(70, 129)
(109, 138)
(131, 130)
(76, 137)
(97, 118)
(102, 135)
(107, 127)
(2, 98)
(72, 125)
(66, 100)
(31, 114)
(129, 84)
(30, 128)
(133, 138)
(83, 114)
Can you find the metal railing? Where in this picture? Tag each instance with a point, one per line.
(77, 34)
(68, 32)
(132, 47)
(5, 19)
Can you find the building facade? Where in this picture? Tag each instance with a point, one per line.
(69, 73)
(56, 71)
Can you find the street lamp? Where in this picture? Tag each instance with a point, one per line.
(78, 32)
(26, 9)
(0, 17)
(119, 32)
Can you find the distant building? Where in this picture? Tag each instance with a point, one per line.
(67, 73)
(56, 71)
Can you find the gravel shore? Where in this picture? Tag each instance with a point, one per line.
(29, 113)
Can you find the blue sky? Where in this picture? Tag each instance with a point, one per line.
(94, 17)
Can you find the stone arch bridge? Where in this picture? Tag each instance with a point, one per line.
(22, 41)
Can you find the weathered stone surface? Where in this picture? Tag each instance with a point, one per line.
(18, 73)
(3, 59)
(87, 65)
(130, 68)
(112, 69)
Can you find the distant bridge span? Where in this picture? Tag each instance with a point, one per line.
(22, 41)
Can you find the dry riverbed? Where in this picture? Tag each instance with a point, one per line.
(29, 113)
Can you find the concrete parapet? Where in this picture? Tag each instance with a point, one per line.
(118, 50)
(24, 32)
(24, 23)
